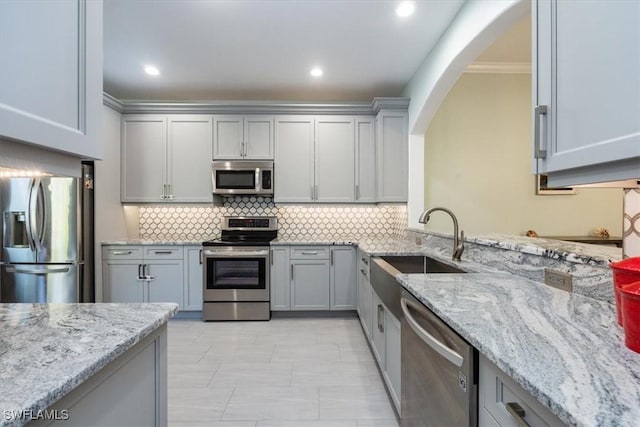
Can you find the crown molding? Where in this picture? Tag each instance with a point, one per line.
(499, 68)
(254, 107)
(112, 102)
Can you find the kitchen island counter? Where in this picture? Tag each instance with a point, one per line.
(49, 350)
(565, 349)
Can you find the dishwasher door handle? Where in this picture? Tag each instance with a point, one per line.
(425, 336)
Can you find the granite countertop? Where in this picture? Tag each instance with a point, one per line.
(47, 350)
(154, 242)
(565, 349)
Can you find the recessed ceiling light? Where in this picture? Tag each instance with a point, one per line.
(151, 70)
(316, 71)
(405, 8)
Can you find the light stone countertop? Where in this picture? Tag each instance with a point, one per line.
(565, 349)
(155, 242)
(47, 350)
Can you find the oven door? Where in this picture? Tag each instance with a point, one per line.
(236, 274)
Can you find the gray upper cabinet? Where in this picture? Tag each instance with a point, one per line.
(334, 160)
(188, 166)
(294, 160)
(51, 74)
(586, 90)
(392, 158)
(365, 166)
(166, 158)
(243, 137)
(316, 160)
(144, 158)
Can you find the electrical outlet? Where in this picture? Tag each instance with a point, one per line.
(558, 279)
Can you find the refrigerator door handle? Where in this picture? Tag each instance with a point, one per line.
(11, 269)
(42, 210)
(36, 213)
(30, 222)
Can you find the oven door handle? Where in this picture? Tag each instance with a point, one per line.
(235, 254)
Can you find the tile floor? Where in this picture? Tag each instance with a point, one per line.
(281, 373)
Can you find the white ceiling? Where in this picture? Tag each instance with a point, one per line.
(264, 49)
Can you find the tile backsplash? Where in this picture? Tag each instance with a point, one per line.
(631, 223)
(203, 222)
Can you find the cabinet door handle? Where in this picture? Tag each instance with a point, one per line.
(200, 257)
(292, 272)
(517, 412)
(140, 273)
(363, 271)
(380, 314)
(164, 192)
(170, 195)
(315, 192)
(121, 252)
(163, 252)
(331, 257)
(540, 153)
(146, 274)
(366, 262)
(357, 192)
(310, 253)
(271, 257)
(312, 192)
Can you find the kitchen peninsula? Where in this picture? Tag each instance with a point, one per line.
(80, 363)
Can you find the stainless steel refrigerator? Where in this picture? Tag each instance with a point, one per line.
(41, 259)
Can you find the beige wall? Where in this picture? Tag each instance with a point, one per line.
(478, 163)
(112, 220)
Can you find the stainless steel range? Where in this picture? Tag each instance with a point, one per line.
(236, 270)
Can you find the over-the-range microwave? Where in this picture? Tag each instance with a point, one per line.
(242, 177)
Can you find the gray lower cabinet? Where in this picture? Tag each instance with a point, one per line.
(133, 387)
(382, 330)
(502, 402)
(343, 288)
(279, 280)
(143, 274)
(393, 361)
(164, 279)
(193, 278)
(377, 333)
(313, 278)
(120, 280)
(365, 302)
(310, 284)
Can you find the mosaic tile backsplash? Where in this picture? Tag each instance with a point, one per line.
(631, 223)
(200, 222)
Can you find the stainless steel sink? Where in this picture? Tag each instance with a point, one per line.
(419, 264)
(384, 270)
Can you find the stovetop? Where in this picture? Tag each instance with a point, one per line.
(246, 231)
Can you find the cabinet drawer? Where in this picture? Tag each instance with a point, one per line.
(363, 263)
(163, 252)
(498, 391)
(122, 252)
(309, 252)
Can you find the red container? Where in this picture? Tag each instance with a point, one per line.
(630, 299)
(625, 272)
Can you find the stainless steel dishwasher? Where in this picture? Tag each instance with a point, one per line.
(439, 371)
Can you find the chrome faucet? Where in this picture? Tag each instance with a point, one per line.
(458, 242)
